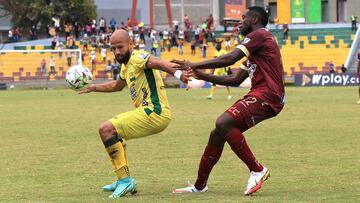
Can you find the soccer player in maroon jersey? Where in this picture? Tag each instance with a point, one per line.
(265, 99)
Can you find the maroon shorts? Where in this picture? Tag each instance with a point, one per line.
(249, 111)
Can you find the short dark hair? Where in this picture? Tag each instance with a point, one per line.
(261, 13)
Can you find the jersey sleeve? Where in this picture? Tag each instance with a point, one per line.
(251, 43)
(140, 59)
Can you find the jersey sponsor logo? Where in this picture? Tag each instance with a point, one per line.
(145, 95)
(133, 92)
(143, 55)
(251, 68)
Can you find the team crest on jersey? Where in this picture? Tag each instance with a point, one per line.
(246, 40)
(143, 55)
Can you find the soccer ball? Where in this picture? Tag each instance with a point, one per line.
(78, 76)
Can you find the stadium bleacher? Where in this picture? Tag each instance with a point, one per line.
(305, 51)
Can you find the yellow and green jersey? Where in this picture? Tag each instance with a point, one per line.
(146, 85)
(220, 71)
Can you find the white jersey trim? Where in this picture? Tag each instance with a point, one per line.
(244, 49)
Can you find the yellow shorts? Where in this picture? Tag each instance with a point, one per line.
(136, 123)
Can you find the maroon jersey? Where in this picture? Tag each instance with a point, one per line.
(265, 67)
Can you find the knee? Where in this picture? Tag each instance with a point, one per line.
(106, 131)
(224, 124)
(221, 126)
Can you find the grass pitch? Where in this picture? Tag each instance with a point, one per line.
(50, 150)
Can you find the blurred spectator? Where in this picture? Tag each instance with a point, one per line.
(188, 28)
(181, 46)
(93, 61)
(70, 42)
(142, 33)
(112, 24)
(285, 30)
(85, 41)
(68, 58)
(331, 67)
(154, 47)
(225, 24)
(343, 69)
(116, 70)
(204, 48)
(181, 34)
(102, 25)
(52, 66)
(227, 43)
(11, 36)
(152, 34)
(353, 23)
(193, 46)
(43, 67)
(268, 11)
(235, 31)
(93, 26)
(77, 29)
(60, 47)
(142, 45)
(88, 30)
(56, 24)
(16, 34)
(54, 42)
(68, 29)
(210, 22)
(197, 33)
(128, 23)
(165, 37)
(103, 53)
(33, 32)
(176, 25)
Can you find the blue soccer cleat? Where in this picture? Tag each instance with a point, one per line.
(123, 186)
(111, 187)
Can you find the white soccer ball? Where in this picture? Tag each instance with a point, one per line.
(78, 76)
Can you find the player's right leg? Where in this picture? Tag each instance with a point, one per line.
(210, 157)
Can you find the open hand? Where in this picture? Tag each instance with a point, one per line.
(183, 64)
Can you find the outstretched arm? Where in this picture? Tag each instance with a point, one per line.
(112, 86)
(171, 68)
(218, 62)
(229, 80)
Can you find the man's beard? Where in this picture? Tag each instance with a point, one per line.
(123, 58)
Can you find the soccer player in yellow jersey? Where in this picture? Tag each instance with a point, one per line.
(219, 71)
(152, 114)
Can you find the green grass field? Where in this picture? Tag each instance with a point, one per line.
(50, 150)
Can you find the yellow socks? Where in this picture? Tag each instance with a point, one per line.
(116, 150)
(212, 90)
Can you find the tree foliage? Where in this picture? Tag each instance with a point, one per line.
(39, 13)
